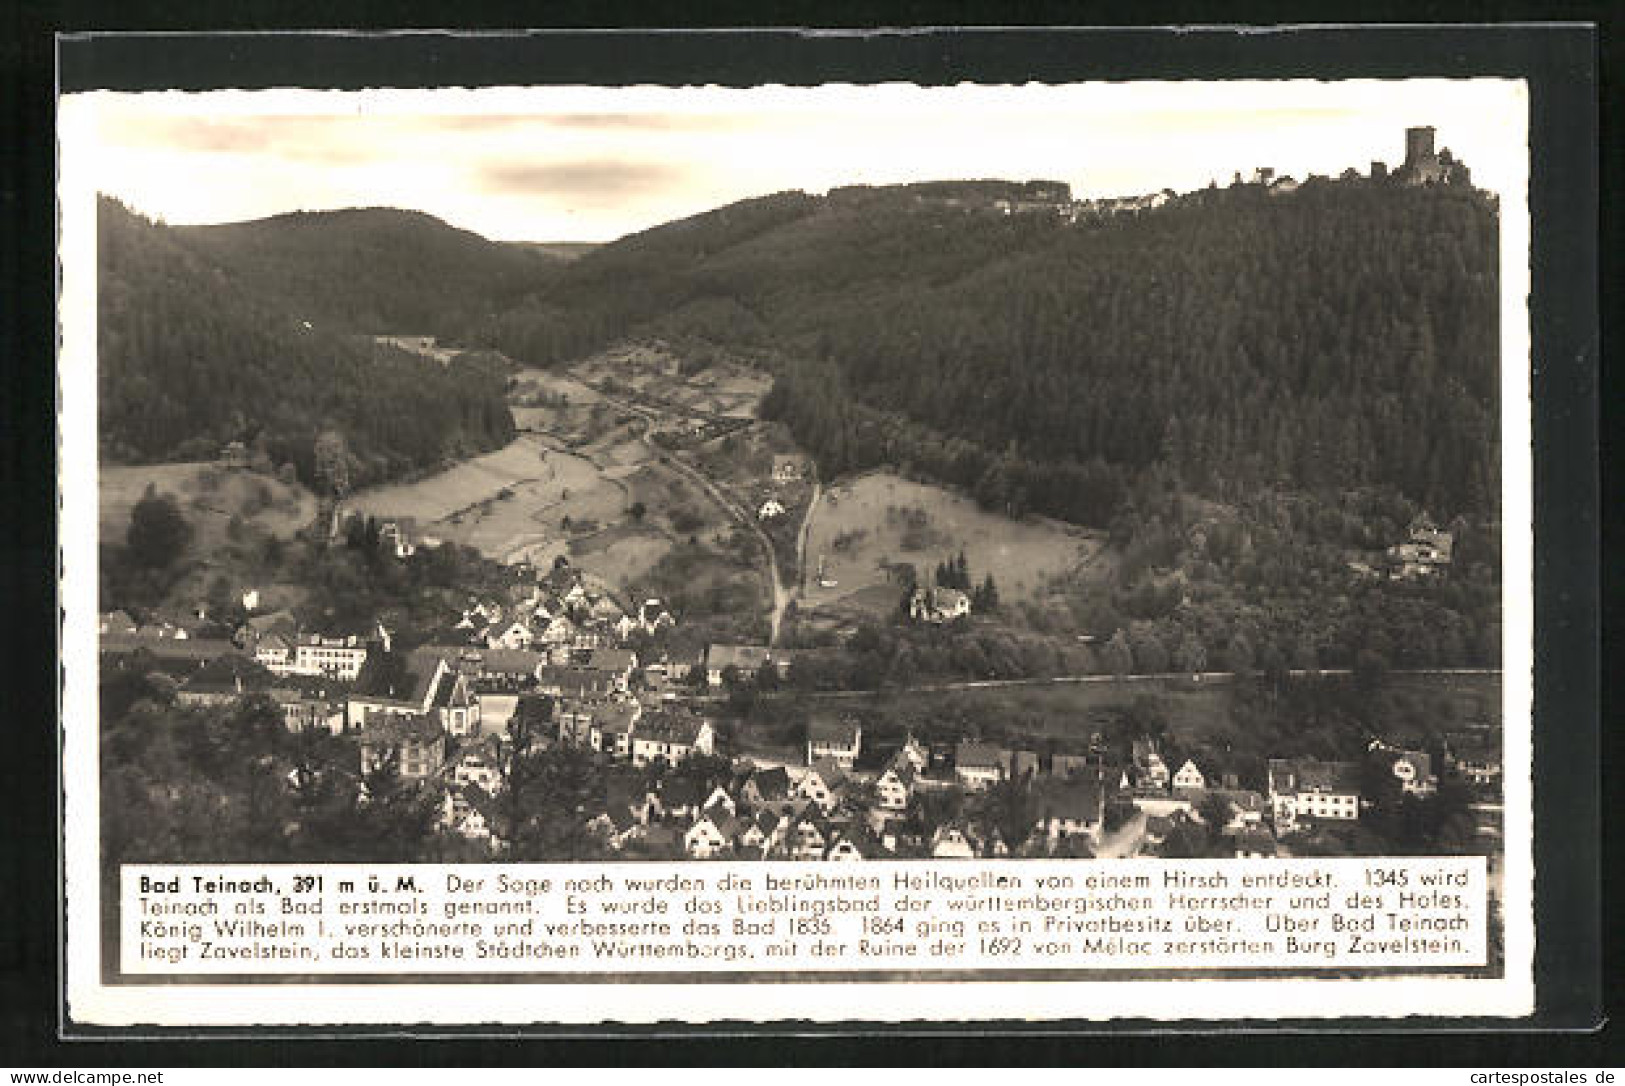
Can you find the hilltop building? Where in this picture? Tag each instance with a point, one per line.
(1424, 166)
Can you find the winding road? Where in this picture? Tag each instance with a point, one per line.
(783, 594)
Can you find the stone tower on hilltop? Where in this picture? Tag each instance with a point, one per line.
(1425, 166)
(1419, 147)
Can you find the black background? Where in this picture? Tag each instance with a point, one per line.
(1562, 63)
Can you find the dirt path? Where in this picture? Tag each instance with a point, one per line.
(782, 594)
(805, 534)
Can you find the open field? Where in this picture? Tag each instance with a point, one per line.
(465, 504)
(878, 518)
(208, 496)
(654, 370)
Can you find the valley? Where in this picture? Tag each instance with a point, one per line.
(927, 470)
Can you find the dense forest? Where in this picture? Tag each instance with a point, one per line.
(191, 357)
(1343, 335)
(325, 267)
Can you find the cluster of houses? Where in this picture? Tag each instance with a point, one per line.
(559, 617)
(827, 811)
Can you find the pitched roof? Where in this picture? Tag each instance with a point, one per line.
(829, 770)
(842, 732)
(1301, 775)
(772, 784)
(185, 648)
(971, 755)
(1074, 800)
(661, 726)
(575, 681)
(683, 790)
(391, 729)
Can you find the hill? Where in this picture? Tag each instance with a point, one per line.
(373, 271)
(190, 358)
(1339, 336)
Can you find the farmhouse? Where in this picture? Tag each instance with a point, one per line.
(770, 509)
(1306, 788)
(838, 741)
(789, 469)
(937, 605)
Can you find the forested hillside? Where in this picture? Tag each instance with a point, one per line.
(189, 358)
(1343, 335)
(374, 271)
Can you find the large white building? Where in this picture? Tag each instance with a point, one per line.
(1304, 788)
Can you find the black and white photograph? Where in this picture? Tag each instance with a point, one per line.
(796, 479)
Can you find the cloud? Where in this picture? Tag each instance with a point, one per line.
(663, 122)
(589, 183)
(320, 140)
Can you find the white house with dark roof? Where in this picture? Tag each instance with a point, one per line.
(938, 605)
(837, 740)
(705, 839)
(746, 660)
(895, 785)
(978, 766)
(672, 736)
(1304, 788)
(822, 784)
(1070, 807)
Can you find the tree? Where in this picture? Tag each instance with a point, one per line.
(158, 533)
(986, 597)
(1190, 655)
(1150, 655)
(1119, 657)
(638, 510)
(1238, 655)
(332, 458)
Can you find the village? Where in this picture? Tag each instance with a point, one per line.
(557, 664)
(652, 577)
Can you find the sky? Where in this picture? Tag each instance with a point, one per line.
(594, 164)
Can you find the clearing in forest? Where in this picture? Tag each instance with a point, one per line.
(862, 526)
(208, 495)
